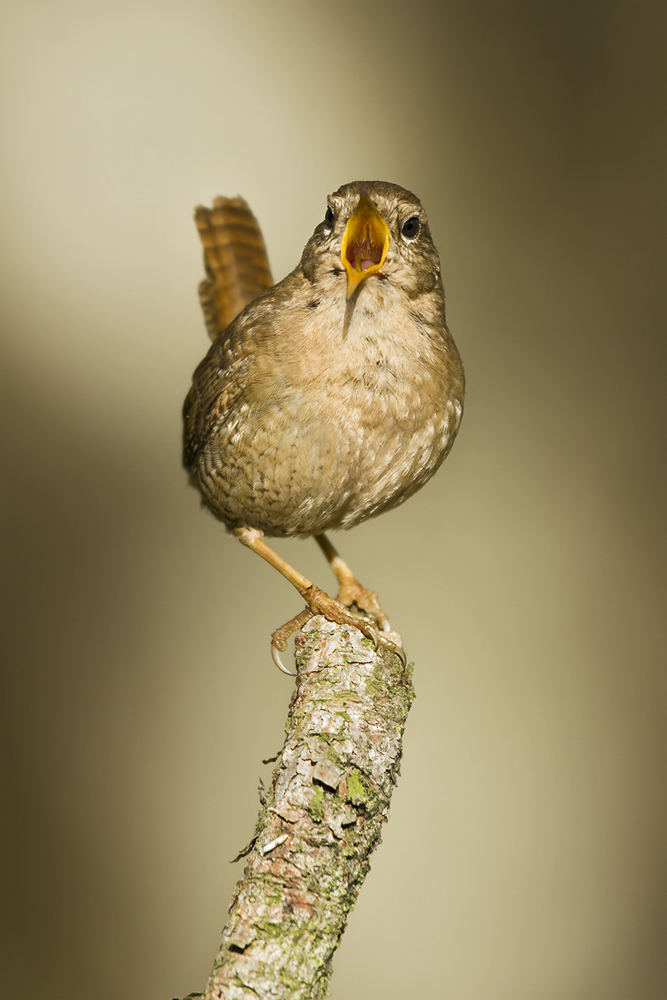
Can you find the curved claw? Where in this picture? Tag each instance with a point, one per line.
(275, 656)
(371, 633)
(380, 640)
(400, 652)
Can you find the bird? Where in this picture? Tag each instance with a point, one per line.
(329, 397)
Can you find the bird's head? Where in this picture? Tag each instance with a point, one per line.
(374, 229)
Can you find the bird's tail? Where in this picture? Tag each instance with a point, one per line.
(237, 265)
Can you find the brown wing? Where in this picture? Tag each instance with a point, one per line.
(235, 258)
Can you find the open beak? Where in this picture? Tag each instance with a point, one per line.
(365, 243)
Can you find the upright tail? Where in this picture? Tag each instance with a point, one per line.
(237, 265)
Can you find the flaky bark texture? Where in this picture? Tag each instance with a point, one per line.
(319, 821)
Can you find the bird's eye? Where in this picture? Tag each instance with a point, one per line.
(410, 228)
(329, 218)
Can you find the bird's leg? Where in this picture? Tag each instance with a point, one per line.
(255, 541)
(318, 602)
(351, 592)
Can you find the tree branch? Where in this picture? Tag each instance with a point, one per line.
(320, 820)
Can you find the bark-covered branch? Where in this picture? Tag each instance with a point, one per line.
(320, 820)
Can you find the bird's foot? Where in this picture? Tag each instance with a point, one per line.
(351, 592)
(320, 603)
(281, 635)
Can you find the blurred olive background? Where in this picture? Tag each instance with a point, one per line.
(525, 854)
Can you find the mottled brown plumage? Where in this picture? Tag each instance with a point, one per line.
(337, 393)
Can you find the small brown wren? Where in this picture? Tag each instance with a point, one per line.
(329, 397)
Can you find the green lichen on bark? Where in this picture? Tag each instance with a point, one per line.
(357, 793)
(316, 806)
(320, 819)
